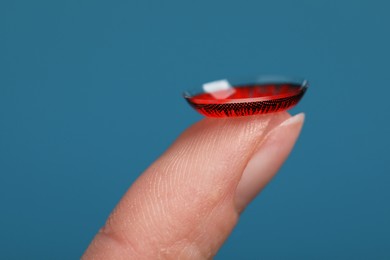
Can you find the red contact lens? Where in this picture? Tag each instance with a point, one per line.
(224, 98)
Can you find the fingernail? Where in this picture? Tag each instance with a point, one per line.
(267, 160)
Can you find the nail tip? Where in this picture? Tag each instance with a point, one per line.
(294, 119)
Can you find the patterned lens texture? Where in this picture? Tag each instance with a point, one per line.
(246, 100)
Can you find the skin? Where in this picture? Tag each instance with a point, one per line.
(187, 202)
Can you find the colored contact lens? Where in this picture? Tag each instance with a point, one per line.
(227, 98)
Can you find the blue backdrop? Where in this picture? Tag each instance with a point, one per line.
(90, 95)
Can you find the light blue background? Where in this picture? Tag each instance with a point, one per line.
(90, 95)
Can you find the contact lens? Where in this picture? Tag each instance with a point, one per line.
(232, 98)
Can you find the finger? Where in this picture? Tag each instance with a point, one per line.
(186, 203)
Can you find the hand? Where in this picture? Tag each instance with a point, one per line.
(186, 203)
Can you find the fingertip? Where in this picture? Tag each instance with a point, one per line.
(185, 200)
